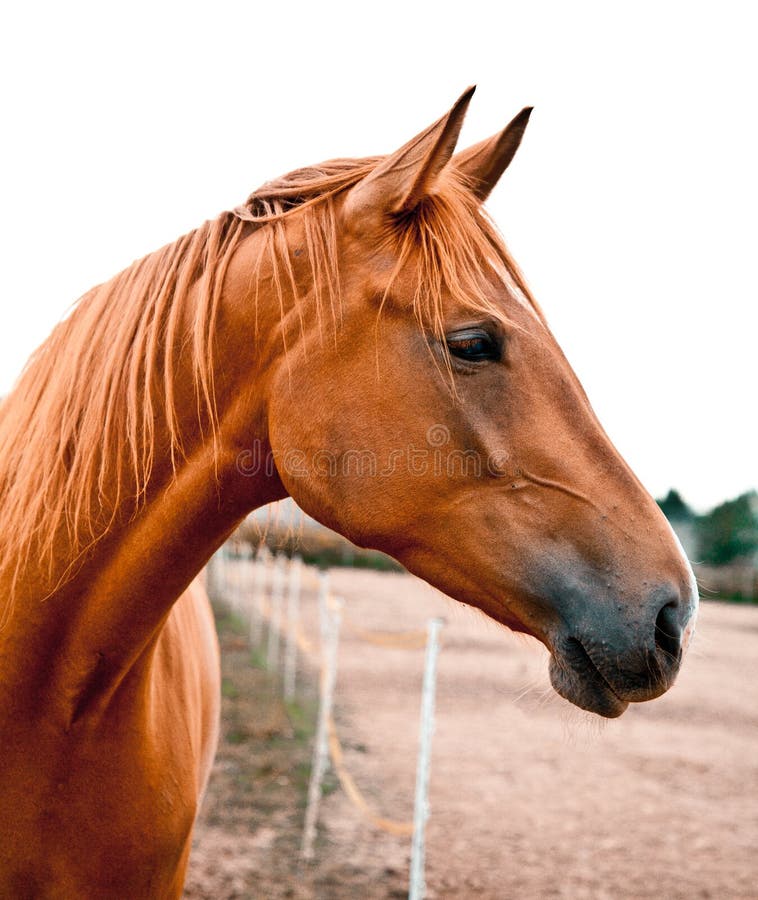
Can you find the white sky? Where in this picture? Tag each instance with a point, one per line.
(631, 206)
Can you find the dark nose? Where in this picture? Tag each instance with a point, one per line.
(669, 628)
(610, 658)
(648, 644)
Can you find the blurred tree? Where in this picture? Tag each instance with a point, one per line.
(730, 531)
(674, 508)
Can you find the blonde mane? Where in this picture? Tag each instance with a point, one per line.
(78, 433)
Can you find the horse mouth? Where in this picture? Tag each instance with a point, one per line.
(576, 678)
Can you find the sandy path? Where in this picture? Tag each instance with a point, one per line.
(531, 798)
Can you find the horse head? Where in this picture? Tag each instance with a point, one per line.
(439, 421)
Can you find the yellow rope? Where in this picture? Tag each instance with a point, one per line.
(304, 643)
(405, 640)
(354, 794)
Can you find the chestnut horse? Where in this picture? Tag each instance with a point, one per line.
(357, 336)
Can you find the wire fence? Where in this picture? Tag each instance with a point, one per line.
(267, 592)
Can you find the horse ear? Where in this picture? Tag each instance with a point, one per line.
(485, 162)
(404, 178)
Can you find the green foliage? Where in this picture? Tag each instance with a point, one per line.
(226, 620)
(302, 715)
(730, 531)
(229, 689)
(674, 508)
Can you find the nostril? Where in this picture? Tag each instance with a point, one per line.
(668, 631)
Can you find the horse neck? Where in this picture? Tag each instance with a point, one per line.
(110, 611)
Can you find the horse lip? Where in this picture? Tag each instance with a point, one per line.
(576, 677)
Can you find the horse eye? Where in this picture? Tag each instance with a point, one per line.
(473, 346)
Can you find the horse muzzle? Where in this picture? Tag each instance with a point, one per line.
(605, 661)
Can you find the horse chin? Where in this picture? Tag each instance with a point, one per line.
(576, 678)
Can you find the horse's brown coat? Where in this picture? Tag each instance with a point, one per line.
(312, 324)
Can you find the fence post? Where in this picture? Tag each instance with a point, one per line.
(330, 642)
(275, 619)
(258, 593)
(426, 728)
(232, 576)
(213, 578)
(293, 615)
(323, 601)
(246, 558)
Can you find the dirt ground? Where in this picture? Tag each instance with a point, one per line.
(529, 797)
